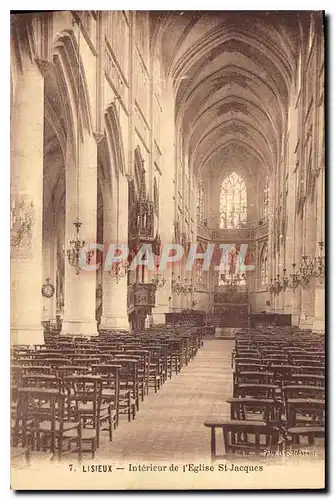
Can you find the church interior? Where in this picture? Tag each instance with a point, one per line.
(169, 134)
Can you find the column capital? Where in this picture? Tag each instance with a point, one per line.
(130, 177)
(99, 137)
(44, 65)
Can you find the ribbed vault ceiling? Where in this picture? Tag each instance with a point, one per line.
(232, 74)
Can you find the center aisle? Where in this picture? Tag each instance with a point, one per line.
(170, 424)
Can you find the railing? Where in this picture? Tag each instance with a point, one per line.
(185, 318)
(252, 232)
(230, 297)
(204, 232)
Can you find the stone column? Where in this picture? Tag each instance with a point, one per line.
(27, 124)
(319, 318)
(80, 289)
(114, 313)
(49, 249)
(307, 294)
(162, 302)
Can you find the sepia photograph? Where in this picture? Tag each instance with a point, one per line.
(167, 250)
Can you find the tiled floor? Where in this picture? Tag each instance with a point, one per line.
(170, 424)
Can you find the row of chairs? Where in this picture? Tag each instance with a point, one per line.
(66, 392)
(278, 393)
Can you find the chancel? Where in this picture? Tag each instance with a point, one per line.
(167, 229)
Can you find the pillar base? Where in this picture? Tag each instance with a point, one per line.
(26, 335)
(306, 322)
(114, 323)
(158, 318)
(318, 325)
(78, 327)
(295, 319)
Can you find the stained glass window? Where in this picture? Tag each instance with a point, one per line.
(201, 202)
(264, 265)
(266, 197)
(233, 202)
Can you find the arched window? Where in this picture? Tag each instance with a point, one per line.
(200, 202)
(233, 202)
(266, 197)
(264, 265)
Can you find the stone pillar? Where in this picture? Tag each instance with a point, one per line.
(49, 249)
(114, 304)
(162, 302)
(319, 318)
(80, 289)
(27, 123)
(307, 294)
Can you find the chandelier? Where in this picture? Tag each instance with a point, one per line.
(177, 286)
(320, 263)
(295, 278)
(284, 281)
(118, 270)
(158, 280)
(309, 268)
(233, 280)
(75, 248)
(189, 287)
(275, 285)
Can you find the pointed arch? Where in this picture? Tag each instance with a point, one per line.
(114, 139)
(69, 71)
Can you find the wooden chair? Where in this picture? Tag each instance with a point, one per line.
(302, 412)
(40, 419)
(155, 370)
(84, 396)
(243, 438)
(67, 370)
(45, 381)
(110, 375)
(307, 379)
(264, 409)
(36, 370)
(302, 391)
(85, 361)
(126, 403)
(251, 366)
(266, 391)
(248, 377)
(313, 370)
(305, 418)
(143, 355)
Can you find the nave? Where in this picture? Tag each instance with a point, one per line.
(170, 424)
(158, 395)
